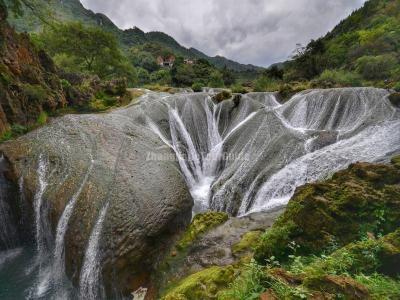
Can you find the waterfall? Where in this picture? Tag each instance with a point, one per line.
(58, 267)
(198, 163)
(274, 147)
(42, 234)
(40, 220)
(90, 286)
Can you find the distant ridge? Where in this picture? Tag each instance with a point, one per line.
(73, 10)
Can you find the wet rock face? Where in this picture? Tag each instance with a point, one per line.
(28, 82)
(104, 159)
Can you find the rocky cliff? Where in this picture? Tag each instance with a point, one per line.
(28, 80)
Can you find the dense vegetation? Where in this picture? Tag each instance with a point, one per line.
(73, 11)
(362, 50)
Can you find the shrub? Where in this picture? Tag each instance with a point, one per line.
(65, 84)
(396, 87)
(266, 84)
(216, 80)
(238, 88)
(376, 67)
(161, 76)
(42, 118)
(340, 77)
(197, 86)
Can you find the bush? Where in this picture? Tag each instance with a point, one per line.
(376, 67)
(197, 86)
(266, 84)
(42, 118)
(161, 76)
(216, 80)
(238, 88)
(65, 84)
(340, 77)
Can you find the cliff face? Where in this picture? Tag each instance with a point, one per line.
(28, 80)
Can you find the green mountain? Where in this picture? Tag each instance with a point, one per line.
(73, 10)
(364, 47)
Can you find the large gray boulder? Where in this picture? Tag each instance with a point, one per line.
(95, 161)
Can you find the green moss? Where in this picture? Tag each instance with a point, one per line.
(380, 287)
(396, 161)
(395, 99)
(354, 202)
(6, 136)
(202, 285)
(224, 95)
(42, 118)
(247, 242)
(201, 223)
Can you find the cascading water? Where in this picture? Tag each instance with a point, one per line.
(90, 286)
(248, 155)
(40, 220)
(58, 266)
(42, 234)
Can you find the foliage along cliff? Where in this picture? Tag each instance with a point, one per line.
(73, 10)
(362, 49)
(29, 85)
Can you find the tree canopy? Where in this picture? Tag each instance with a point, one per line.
(89, 49)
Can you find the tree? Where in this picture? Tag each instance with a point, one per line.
(216, 80)
(228, 76)
(38, 7)
(92, 49)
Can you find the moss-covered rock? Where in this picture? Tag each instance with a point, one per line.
(343, 287)
(224, 95)
(363, 199)
(201, 223)
(395, 99)
(247, 242)
(202, 285)
(396, 161)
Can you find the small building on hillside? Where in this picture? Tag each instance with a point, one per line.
(166, 61)
(189, 61)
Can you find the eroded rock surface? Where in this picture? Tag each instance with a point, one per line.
(103, 160)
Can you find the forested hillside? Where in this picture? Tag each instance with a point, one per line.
(73, 10)
(362, 50)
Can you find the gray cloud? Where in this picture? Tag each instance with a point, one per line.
(260, 32)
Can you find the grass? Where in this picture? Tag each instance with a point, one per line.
(42, 118)
(17, 130)
(380, 287)
(249, 285)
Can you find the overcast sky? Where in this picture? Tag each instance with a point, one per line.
(260, 32)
